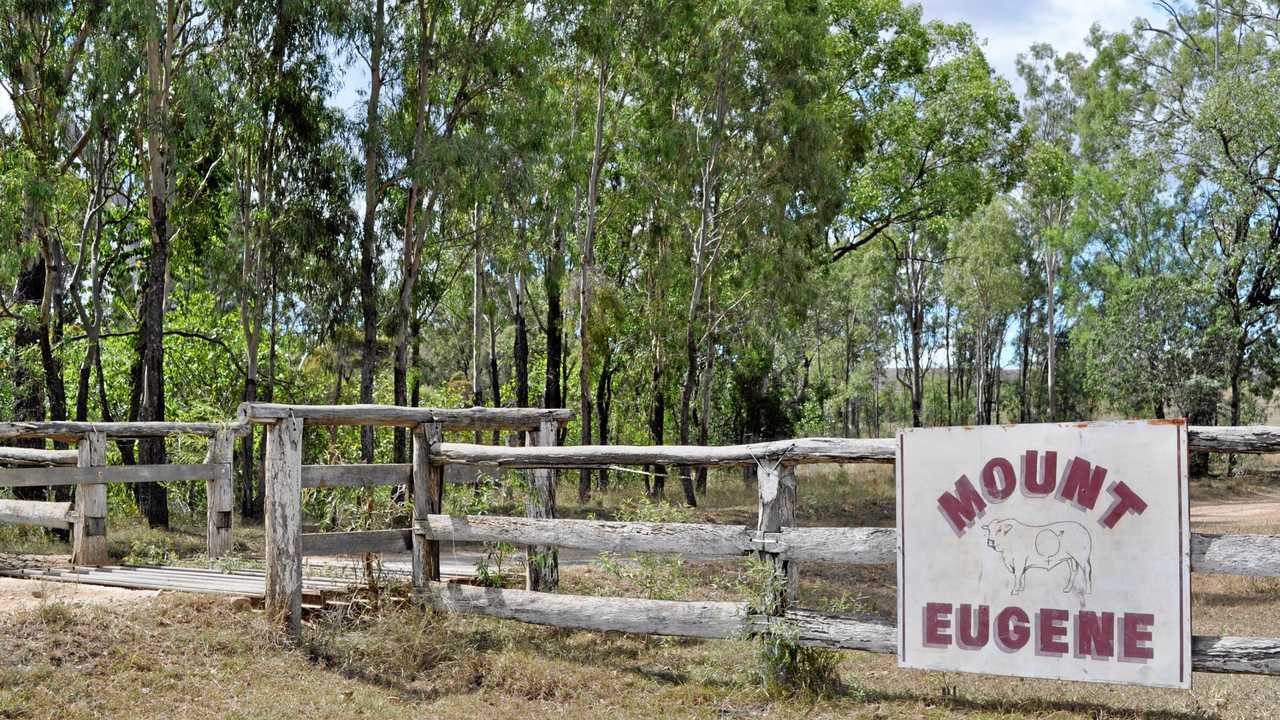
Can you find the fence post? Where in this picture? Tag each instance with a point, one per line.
(542, 567)
(219, 496)
(284, 525)
(777, 485)
(428, 499)
(89, 542)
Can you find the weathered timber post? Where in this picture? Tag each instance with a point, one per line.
(542, 566)
(777, 510)
(428, 499)
(283, 510)
(219, 496)
(89, 542)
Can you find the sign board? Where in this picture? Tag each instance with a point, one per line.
(1048, 551)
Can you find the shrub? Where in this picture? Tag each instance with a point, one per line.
(788, 670)
(785, 668)
(142, 552)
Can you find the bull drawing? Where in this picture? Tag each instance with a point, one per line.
(1023, 547)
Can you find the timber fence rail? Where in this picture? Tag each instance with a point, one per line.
(86, 517)
(287, 476)
(774, 539)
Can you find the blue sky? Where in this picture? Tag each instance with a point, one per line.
(1008, 27)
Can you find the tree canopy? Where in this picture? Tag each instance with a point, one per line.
(701, 222)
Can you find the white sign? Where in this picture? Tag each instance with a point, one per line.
(1048, 551)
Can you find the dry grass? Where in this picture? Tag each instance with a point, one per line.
(198, 657)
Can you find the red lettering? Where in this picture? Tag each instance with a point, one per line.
(1126, 501)
(1002, 489)
(1030, 469)
(1083, 483)
(962, 508)
(1052, 630)
(969, 638)
(1095, 634)
(1013, 628)
(1136, 629)
(937, 620)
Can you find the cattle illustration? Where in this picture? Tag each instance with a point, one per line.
(1023, 547)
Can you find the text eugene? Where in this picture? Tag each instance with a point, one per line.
(1048, 631)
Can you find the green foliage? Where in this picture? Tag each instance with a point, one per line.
(145, 552)
(785, 668)
(744, 147)
(656, 577)
(789, 670)
(643, 509)
(489, 570)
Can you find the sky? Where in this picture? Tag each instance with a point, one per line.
(1010, 27)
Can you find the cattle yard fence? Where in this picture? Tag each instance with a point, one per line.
(774, 539)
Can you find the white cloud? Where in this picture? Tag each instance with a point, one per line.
(1010, 27)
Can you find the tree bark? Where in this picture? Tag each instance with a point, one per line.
(704, 409)
(700, 268)
(588, 263)
(1024, 408)
(369, 237)
(415, 228)
(657, 427)
(477, 288)
(28, 400)
(153, 498)
(604, 399)
(495, 385)
(951, 418)
(520, 342)
(552, 279)
(1051, 352)
(1237, 378)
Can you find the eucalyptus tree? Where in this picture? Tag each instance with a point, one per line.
(1199, 91)
(901, 85)
(170, 38)
(599, 33)
(984, 283)
(465, 67)
(1051, 163)
(111, 209)
(722, 113)
(279, 140)
(43, 60)
(374, 40)
(913, 165)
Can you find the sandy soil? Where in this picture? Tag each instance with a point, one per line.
(1249, 511)
(17, 595)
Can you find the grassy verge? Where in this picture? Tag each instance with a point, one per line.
(198, 657)
(203, 657)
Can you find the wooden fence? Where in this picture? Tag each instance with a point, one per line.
(86, 517)
(286, 476)
(774, 538)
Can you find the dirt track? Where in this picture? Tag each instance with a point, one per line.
(17, 595)
(1253, 513)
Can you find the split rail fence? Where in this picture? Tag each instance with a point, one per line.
(774, 538)
(86, 468)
